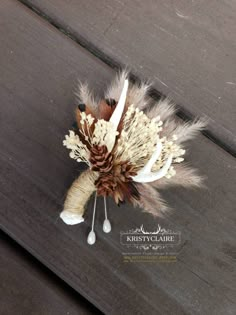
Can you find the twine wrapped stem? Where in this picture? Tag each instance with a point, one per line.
(77, 197)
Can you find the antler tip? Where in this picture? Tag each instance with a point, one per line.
(71, 218)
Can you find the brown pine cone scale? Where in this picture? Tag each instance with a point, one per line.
(115, 177)
(101, 159)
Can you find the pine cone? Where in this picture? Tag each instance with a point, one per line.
(117, 182)
(101, 159)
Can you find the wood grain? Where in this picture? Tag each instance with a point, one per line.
(187, 48)
(39, 68)
(27, 288)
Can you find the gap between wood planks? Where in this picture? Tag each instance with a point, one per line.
(80, 40)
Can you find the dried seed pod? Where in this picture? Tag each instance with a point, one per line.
(83, 108)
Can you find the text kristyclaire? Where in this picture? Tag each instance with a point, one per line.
(150, 238)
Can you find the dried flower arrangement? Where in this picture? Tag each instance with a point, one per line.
(131, 149)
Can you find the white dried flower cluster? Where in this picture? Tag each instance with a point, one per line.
(171, 172)
(137, 142)
(86, 122)
(138, 137)
(79, 151)
(169, 147)
(104, 134)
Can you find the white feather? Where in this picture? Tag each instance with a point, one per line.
(115, 89)
(164, 108)
(85, 96)
(136, 95)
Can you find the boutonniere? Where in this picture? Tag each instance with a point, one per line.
(132, 149)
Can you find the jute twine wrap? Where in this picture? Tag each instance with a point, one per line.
(80, 192)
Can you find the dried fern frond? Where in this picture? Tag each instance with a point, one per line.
(164, 109)
(185, 176)
(138, 95)
(184, 131)
(150, 200)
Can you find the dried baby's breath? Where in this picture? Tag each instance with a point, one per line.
(104, 134)
(79, 151)
(139, 138)
(137, 141)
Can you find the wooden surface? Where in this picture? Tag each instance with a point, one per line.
(25, 287)
(39, 68)
(187, 48)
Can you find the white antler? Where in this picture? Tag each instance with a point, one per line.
(145, 175)
(147, 168)
(110, 138)
(117, 114)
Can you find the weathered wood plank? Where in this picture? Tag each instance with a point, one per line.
(186, 47)
(38, 69)
(27, 288)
